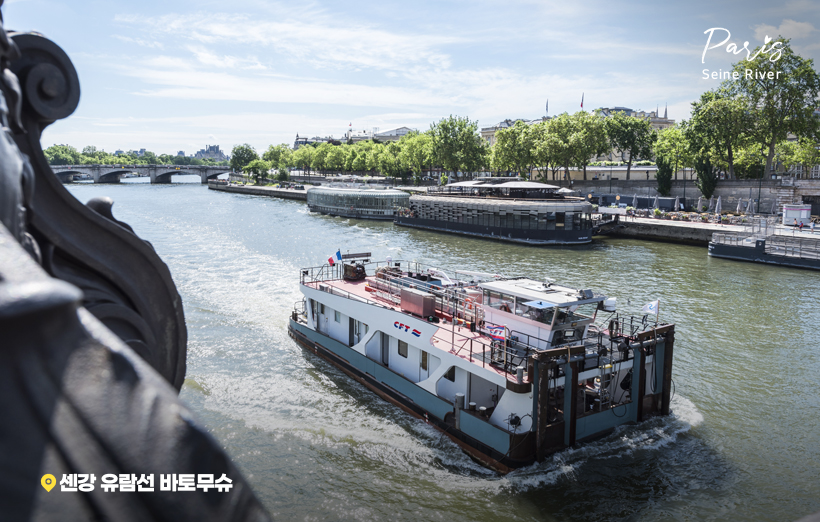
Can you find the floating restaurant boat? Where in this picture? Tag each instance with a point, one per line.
(498, 208)
(509, 368)
(357, 202)
(763, 241)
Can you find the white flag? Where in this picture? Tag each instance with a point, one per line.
(651, 308)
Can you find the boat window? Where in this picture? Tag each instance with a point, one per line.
(560, 220)
(424, 360)
(322, 308)
(499, 301)
(542, 315)
(451, 374)
(337, 316)
(576, 313)
(403, 349)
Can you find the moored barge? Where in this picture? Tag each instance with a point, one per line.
(764, 241)
(498, 208)
(509, 368)
(356, 202)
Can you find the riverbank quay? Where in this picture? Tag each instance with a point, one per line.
(687, 232)
(771, 192)
(259, 190)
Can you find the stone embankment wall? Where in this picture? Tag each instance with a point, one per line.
(781, 191)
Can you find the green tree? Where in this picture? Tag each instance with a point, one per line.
(258, 168)
(588, 139)
(278, 155)
(241, 155)
(513, 149)
(673, 146)
(707, 176)
(457, 146)
(783, 101)
(303, 157)
(62, 155)
(389, 162)
(664, 176)
(722, 121)
(549, 149)
(415, 153)
(335, 160)
(802, 154)
(632, 136)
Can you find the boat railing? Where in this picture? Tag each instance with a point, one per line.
(803, 248)
(737, 239)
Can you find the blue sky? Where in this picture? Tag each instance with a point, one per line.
(178, 74)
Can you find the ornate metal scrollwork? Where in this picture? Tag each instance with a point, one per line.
(124, 283)
(76, 399)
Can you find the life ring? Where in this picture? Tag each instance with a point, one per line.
(469, 302)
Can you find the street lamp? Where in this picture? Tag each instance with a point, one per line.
(677, 157)
(760, 186)
(610, 177)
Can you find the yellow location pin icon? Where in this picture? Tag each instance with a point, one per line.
(48, 482)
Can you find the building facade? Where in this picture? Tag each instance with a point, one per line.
(211, 152)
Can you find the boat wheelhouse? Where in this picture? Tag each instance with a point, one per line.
(497, 208)
(364, 203)
(510, 368)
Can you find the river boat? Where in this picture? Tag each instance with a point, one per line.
(764, 241)
(357, 202)
(510, 368)
(505, 209)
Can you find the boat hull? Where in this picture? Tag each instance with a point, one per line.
(513, 235)
(522, 445)
(757, 254)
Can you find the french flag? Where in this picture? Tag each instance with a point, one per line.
(497, 332)
(335, 257)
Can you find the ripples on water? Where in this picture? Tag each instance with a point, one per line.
(316, 445)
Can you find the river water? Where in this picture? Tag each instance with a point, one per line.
(743, 443)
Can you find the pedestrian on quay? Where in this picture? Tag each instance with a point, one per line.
(801, 225)
(812, 226)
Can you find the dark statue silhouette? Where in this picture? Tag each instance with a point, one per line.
(92, 334)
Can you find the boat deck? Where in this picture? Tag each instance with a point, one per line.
(474, 347)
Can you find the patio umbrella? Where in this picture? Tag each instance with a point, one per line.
(635, 201)
(677, 204)
(711, 198)
(739, 206)
(774, 207)
(717, 206)
(700, 204)
(750, 207)
(655, 203)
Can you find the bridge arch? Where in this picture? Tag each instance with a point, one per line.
(110, 177)
(165, 177)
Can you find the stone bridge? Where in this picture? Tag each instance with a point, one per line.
(157, 173)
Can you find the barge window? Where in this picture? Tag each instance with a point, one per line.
(424, 360)
(560, 219)
(451, 374)
(337, 316)
(403, 349)
(322, 308)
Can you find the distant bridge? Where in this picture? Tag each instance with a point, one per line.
(157, 173)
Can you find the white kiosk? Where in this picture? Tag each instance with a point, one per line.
(801, 213)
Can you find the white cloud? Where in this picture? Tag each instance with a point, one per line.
(151, 44)
(322, 42)
(788, 29)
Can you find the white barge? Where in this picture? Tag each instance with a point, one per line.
(357, 202)
(509, 368)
